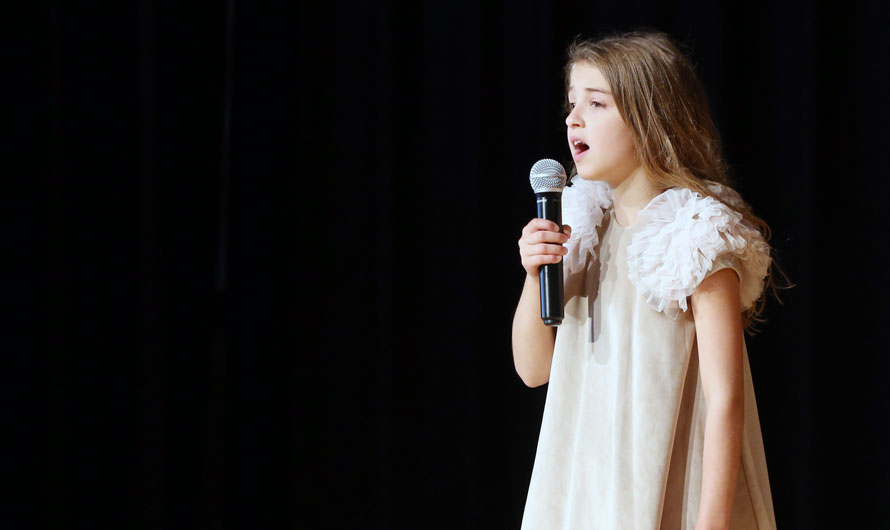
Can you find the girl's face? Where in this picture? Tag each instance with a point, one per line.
(600, 142)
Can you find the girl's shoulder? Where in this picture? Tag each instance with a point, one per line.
(584, 204)
(679, 239)
(683, 237)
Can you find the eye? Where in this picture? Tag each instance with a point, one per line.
(595, 103)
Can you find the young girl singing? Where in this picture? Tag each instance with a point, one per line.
(650, 420)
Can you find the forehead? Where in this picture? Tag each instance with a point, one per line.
(584, 75)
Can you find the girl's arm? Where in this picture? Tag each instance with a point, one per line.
(532, 340)
(540, 244)
(718, 324)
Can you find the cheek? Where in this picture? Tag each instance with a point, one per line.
(615, 140)
(610, 142)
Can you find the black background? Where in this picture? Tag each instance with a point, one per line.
(274, 259)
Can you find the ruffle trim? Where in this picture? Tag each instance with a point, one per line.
(583, 206)
(681, 235)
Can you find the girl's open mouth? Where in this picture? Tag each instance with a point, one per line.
(579, 149)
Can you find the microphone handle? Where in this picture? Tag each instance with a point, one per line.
(552, 296)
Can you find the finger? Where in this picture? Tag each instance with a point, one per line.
(545, 248)
(542, 249)
(547, 237)
(544, 259)
(540, 224)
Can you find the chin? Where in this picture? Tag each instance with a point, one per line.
(587, 175)
(595, 178)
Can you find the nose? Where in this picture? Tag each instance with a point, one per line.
(573, 120)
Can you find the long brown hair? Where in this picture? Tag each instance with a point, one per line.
(663, 103)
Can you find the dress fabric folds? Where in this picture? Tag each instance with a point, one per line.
(623, 428)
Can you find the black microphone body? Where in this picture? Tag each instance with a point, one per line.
(548, 178)
(552, 294)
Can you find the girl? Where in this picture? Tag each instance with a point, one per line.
(650, 420)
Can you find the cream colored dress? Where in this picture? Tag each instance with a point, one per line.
(623, 429)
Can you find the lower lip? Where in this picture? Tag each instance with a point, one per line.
(577, 156)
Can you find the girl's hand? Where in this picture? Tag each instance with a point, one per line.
(541, 243)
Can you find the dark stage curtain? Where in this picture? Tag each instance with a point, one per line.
(275, 264)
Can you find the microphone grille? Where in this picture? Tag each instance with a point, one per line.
(547, 175)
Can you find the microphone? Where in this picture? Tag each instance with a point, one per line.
(548, 178)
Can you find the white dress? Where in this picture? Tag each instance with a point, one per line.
(623, 428)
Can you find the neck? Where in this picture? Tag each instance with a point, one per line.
(630, 196)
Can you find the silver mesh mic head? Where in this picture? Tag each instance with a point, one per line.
(547, 175)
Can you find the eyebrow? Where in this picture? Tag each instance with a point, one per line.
(594, 90)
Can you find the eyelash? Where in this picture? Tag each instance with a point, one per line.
(598, 104)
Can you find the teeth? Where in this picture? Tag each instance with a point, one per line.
(576, 142)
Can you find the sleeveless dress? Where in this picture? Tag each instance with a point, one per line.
(623, 428)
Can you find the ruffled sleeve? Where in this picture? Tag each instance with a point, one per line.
(683, 238)
(583, 205)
